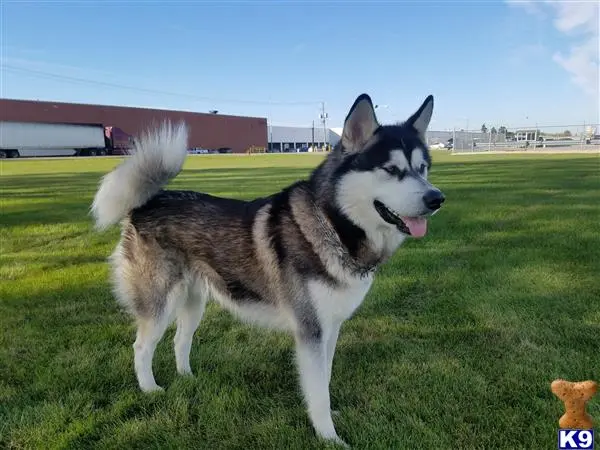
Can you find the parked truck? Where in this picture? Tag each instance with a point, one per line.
(28, 139)
(117, 142)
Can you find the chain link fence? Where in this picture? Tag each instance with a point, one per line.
(559, 138)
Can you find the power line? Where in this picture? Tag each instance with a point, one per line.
(50, 75)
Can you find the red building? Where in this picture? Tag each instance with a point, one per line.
(211, 131)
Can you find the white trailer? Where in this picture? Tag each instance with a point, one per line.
(50, 139)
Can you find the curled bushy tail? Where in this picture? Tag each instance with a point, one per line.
(157, 157)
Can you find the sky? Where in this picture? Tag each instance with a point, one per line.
(501, 63)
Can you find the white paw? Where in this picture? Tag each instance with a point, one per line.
(338, 441)
(335, 412)
(151, 388)
(185, 371)
(335, 439)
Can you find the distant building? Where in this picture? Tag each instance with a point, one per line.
(526, 135)
(207, 130)
(283, 139)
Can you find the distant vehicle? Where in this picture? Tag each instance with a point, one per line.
(209, 151)
(198, 151)
(116, 141)
(441, 146)
(29, 139)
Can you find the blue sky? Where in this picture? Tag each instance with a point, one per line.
(501, 63)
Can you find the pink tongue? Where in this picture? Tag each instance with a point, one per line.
(416, 225)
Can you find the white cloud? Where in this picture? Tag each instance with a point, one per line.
(573, 14)
(582, 64)
(528, 5)
(578, 21)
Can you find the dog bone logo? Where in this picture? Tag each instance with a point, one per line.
(575, 395)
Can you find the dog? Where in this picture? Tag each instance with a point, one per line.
(300, 260)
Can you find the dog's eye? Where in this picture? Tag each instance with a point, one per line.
(395, 171)
(422, 169)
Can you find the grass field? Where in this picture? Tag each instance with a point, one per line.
(455, 346)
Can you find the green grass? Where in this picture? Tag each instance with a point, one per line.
(454, 347)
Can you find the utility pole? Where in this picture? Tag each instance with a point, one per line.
(313, 136)
(270, 140)
(323, 117)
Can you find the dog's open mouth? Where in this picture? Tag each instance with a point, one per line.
(413, 226)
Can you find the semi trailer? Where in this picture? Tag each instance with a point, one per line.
(29, 139)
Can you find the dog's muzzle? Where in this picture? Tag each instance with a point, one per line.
(433, 199)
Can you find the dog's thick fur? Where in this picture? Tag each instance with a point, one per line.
(300, 260)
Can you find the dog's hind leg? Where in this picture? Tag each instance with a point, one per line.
(150, 332)
(189, 315)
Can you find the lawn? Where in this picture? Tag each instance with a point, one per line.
(454, 347)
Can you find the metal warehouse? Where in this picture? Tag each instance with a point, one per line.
(211, 131)
(294, 139)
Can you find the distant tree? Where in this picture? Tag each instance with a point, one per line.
(493, 130)
(567, 133)
(502, 130)
(484, 128)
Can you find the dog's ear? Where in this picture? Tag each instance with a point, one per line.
(420, 119)
(360, 124)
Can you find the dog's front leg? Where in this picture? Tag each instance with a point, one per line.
(330, 345)
(330, 348)
(311, 354)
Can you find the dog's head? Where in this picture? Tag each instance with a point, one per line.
(381, 174)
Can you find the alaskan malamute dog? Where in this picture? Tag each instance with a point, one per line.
(300, 260)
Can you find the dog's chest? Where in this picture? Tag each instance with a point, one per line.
(339, 303)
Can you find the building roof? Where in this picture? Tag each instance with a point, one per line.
(142, 108)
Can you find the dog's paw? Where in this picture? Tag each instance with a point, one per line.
(151, 389)
(339, 442)
(335, 413)
(185, 371)
(336, 440)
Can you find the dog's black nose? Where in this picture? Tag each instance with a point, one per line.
(433, 199)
